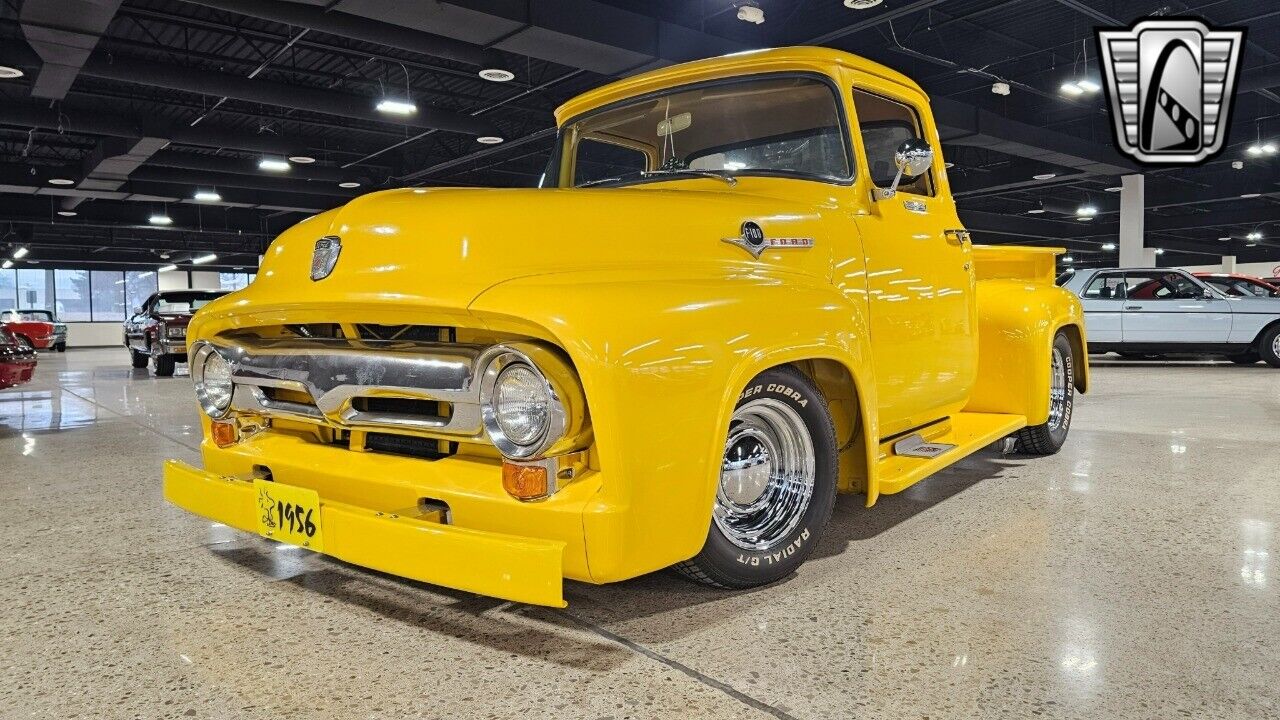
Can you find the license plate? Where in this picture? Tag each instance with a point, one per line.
(289, 514)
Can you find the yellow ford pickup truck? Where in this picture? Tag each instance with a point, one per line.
(741, 288)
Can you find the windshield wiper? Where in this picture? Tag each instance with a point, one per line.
(729, 179)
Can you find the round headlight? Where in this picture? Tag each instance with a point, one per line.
(213, 382)
(521, 405)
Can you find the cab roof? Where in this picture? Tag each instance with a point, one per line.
(744, 63)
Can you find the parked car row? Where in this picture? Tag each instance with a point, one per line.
(1153, 312)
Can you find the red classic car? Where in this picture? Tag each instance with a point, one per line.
(157, 331)
(37, 328)
(17, 359)
(1237, 285)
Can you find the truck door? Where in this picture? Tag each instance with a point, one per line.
(1169, 307)
(920, 281)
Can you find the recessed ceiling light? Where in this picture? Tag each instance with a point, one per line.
(204, 259)
(9, 73)
(67, 213)
(488, 139)
(20, 253)
(273, 165)
(1044, 176)
(301, 159)
(1117, 188)
(61, 181)
(397, 107)
(497, 75)
(166, 268)
(160, 220)
(1250, 196)
(348, 185)
(208, 196)
(1108, 246)
(861, 4)
(1085, 218)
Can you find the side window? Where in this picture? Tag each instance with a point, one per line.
(1156, 285)
(598, 160)
(1106, 286)
(884, 124)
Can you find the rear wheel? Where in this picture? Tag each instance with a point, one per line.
(1248, 358)
(139, 359)
(60, 347)
(1048, 438)
(1269, 346)
(164, 365)
(777, 484)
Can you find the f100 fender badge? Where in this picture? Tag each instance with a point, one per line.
(753, 240)
(325, 256)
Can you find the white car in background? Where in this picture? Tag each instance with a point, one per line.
(1150, 312)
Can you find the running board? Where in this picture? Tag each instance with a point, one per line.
(915, 446)
(961, 435)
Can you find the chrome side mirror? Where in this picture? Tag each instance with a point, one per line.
(914, 156)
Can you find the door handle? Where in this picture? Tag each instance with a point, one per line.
(957, 235)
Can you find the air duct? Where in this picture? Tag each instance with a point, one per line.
(63, 33)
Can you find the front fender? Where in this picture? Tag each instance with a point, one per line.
(662, 363)
(1017, 322)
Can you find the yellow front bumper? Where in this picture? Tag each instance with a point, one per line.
(511, 567)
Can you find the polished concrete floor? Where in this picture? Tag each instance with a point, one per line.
(1129, 576)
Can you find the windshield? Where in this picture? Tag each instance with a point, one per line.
(28, 316)
(183, 304)
(763, 125)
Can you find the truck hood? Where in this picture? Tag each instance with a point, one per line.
(444, 247)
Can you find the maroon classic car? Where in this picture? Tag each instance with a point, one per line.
(157, 332)
(17, 359)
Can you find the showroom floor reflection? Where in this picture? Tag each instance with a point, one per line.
(1125, 577)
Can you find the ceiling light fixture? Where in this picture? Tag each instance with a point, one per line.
(1255, 235)
(348, 185)
(861, 4)
(397, 107)
(67, 213)
(301, 159)
(497, 75)
(1159, 251)
(1087, 210)
(273, 165)
(1108, 246)
(1036, 211)
(61, 181)
(1116, 188)
(1270, 148)
(1000, 88)
(166, 268)
(207, 196)
(751, 14)
(1068, 258)
(204, 259)
(1071, 89)
(1250, 196)
(948, 165)
(1084, 218)
(20, 253)
(488, 139)
(6, 264)
(1254, 150)
(1044, 176)
(160, 219)
(1088, 86)
(10, 73)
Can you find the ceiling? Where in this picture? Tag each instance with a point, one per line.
(143, 103)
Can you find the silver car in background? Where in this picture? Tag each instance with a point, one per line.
(1151, 312)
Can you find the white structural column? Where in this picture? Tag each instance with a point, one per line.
(1228, 263)
(1133, 204)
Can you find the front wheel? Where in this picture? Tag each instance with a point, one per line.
(60, 347)
(1269, 346)
(1048, 438)
(164, 365)
(139, 359)
(776, 487)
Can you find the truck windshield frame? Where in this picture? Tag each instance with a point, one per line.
(667, 164)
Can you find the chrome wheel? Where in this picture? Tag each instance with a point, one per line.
(1059, 390)
(1275, 346)
(766, 476)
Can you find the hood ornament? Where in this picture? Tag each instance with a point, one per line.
(753, 240)
(325, 256)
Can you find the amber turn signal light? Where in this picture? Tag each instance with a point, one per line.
(525, 482)
(225, 433)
